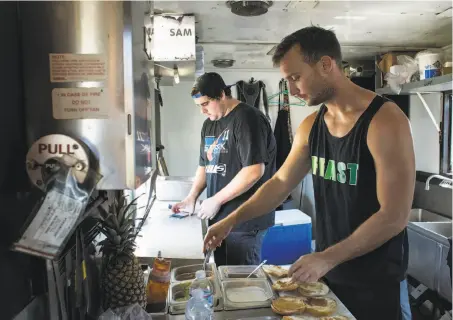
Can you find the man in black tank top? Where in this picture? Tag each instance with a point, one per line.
(360, 151)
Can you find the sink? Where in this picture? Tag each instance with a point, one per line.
(440, 228)
(428, 235)
(422, 215)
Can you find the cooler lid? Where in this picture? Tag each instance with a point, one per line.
(291, 217)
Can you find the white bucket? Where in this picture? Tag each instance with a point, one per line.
(173, 188)
(429, 64)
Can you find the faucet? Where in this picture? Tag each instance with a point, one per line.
(446, 182)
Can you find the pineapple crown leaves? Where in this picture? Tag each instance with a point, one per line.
(118, 227)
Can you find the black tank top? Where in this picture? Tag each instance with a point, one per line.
(344, 181)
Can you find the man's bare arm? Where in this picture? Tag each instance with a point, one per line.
(271, 194)
(241, 183)
(391, 145)
(199, 184)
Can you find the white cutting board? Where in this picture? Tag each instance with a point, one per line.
(175, 238)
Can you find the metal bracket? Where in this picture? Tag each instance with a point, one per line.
(147, 40)
(428, 111)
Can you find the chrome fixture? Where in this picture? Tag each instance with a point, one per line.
(446, 182)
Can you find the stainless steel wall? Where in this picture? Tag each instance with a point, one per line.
(113, 31)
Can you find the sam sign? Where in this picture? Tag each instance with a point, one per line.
(174, 38)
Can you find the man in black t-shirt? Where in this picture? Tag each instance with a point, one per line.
(237, 155)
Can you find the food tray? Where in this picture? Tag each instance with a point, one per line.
(178, 290)
(237, 294)
(240, 272)
(188, 272)
(341, 308)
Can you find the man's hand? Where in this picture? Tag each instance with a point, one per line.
(217, 233)
(187, 205)
(209, 208)
(310, 267)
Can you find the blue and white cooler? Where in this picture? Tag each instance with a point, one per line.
(288, 239)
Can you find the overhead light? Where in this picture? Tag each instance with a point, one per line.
(222, 63)
(350, 17)
(176, 75)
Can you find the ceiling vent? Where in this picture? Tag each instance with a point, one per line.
(249, 8)
(223, 63)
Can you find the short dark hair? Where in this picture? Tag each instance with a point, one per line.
(211, 84)
(315, 42)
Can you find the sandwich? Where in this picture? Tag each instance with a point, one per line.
(313, 289)
(310, 318)
(275, 271)
(285, 284)
(320, 306)
(286, 306)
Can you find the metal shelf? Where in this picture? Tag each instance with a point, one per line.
(437, 84)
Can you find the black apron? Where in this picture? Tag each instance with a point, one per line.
(250, 93)
(282, 131)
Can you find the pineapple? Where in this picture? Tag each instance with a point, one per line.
(122, 279)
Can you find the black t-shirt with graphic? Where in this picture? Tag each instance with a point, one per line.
(242, 138)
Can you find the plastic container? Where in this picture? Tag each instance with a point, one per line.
(429, 64)
(240, 272)
(198, 308)
(447, 68)
(247, 294)
(288, 239)
(173, 188)
(158, 281)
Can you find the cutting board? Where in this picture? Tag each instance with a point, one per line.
(175, 238)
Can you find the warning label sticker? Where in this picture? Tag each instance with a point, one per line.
(69, 67)
(80, 103)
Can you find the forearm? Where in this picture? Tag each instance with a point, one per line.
(374, 232)
(268, 197)
(199, 183)
(241, 183)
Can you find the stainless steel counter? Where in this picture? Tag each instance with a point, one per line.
(229, 315)
(181, 241)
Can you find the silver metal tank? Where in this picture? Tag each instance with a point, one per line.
(86, 75)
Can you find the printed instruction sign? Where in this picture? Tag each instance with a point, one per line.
(80, 103)
(52, 224)
(69, 67)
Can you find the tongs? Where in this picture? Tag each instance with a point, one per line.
(206, 259)
(257, 268)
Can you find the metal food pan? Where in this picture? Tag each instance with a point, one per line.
(240, 272)
(179, 295)
(247, 288)
(186, 273)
